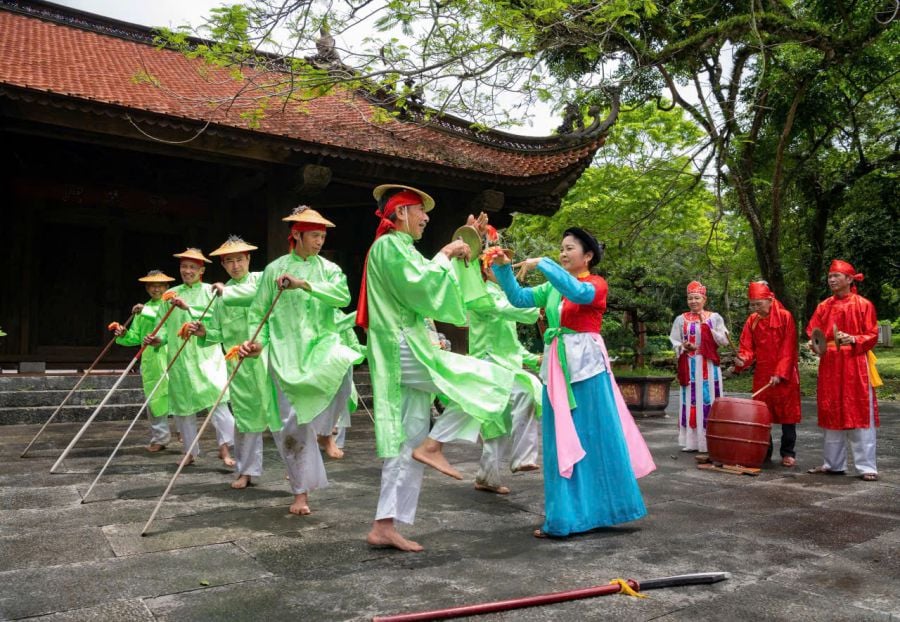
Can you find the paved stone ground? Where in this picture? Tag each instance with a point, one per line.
(799, 547)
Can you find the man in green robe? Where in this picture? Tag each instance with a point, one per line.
(198, 376)
(400, 289)
(493, 337)
(153, 359)
(311, 368)
(252, 393)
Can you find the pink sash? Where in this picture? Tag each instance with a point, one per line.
(641, 460)
(568, 448)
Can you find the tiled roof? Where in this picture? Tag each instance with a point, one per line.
(79, 63)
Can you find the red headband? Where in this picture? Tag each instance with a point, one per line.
(696, 287)
(401, 199)
(759, 290)
(301, 227)
(843, 267)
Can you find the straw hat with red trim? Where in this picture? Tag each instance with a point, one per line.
(156, 276)
(304, 213)
(427, 201)
(234, 244)
(194, 254)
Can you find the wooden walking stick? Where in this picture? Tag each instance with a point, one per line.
(115, 386)
(145, 405)
(209, 414)
(86, 373)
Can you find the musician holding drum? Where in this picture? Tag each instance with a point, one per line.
(769, 339)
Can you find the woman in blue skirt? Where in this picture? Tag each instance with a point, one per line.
(593, 452)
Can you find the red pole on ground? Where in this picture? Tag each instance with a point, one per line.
(555, 597)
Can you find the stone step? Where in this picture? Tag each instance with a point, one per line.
(89, 397)
(68, 414)
(64, 382)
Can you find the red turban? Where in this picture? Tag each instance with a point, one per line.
(301, 227)
(401, 199)
(841, 266)
(759, 290)
(696, 287)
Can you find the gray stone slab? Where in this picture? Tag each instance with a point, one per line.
(762, 498)
(819, 530)
(31, 592)
(116, 611)
(203, 528)
(19, 498)
(773, 602)
(50, 547)
(867, 576)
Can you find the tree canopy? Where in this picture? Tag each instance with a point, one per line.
(792, 107)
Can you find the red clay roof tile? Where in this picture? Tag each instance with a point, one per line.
(61, 59)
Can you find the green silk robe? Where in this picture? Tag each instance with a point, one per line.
(403, 288)
(153, 359)
(253, 399)
(492, 335)
(198, 375)
(301, 343)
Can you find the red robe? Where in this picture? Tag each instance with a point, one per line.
(843, 387)
(772, 342)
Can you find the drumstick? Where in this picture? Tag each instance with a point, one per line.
(761, 390)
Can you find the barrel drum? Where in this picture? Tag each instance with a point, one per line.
(738, 431)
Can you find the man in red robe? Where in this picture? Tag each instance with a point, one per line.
(847, 406)
(769, 339)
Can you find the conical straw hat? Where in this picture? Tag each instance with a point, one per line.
(427, 201)
(156, 276)
(304, 213)
(192, 253)
(234, 244)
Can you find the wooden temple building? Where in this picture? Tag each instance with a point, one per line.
(104, 175)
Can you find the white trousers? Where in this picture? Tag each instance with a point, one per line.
(298, 448)
(159, 429)
(862, 444)
(337, 410)
(221, 420)
(248, 453)
(520, 446)
(187, 427)
(401, 476)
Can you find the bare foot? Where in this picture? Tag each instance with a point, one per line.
(326, 444)
(187, 459)
(241, 482)
(430, 453)
(500, 490)
(155, 447)
(526, 468)
(225, 455)
(385, 534)
(300, 506)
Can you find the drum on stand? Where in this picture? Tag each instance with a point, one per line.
(738, 431)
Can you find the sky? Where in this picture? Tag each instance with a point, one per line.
(174, 13)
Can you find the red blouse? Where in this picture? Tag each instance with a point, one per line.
(586, 318)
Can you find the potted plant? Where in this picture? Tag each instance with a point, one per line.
(639, 296)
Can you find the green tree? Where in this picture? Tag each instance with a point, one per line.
(660, 223)
(777, 88)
